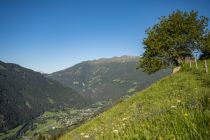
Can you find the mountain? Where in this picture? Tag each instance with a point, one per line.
(105, 79)
(25, 94)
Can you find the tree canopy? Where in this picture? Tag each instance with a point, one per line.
(206, 49)
(173, 39)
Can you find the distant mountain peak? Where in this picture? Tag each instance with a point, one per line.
(120, 59)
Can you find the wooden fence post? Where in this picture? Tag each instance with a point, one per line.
(196, 65)
(190, 64)
(206, 66)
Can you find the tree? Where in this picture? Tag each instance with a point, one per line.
(173, 39)
(206, 49)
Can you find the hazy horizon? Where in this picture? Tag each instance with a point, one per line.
(48, 36)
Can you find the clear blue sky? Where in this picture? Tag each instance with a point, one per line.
(50, 35)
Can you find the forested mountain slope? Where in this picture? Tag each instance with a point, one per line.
(105, 79)
(24, 94)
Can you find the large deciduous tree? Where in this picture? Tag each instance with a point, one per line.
(173, 39)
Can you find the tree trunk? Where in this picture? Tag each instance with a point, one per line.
(176, 69)
(206, 66)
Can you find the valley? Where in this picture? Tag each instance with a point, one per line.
(51, 104)
(104, 70)
(26, 94)
(52, 124)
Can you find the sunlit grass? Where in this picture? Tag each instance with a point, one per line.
(176, 107)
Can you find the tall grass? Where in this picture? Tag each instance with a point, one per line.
(176, 107)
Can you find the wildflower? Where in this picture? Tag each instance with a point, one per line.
(115, 131)
(82, 134)
(160, 138)
(124, 119)
(185, 114)
(87, 136)
(173, 106)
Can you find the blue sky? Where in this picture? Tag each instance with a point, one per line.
(50, 35)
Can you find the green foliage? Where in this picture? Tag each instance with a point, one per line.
(172, 39)
(177, 107)
(206, 49)
(9, 134)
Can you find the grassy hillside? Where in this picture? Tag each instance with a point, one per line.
(176, 107)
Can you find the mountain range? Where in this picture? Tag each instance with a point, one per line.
(107, 78)
(26, 94)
